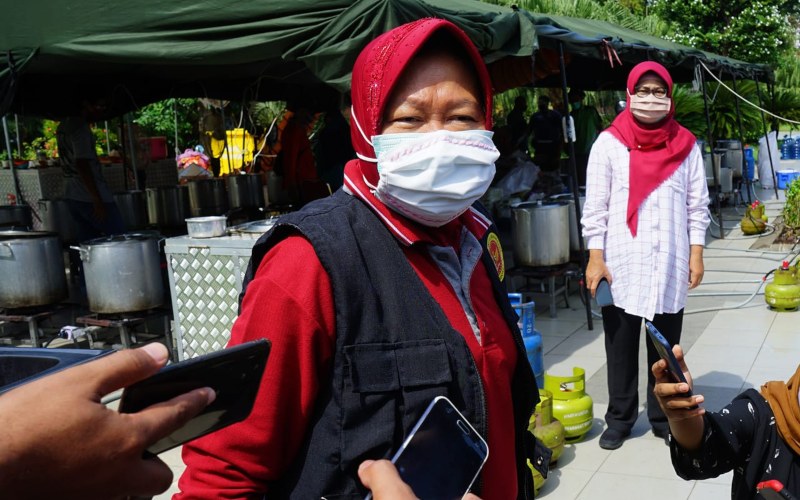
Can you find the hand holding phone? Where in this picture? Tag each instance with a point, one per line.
(665, 351)
(442, 455)
(234, 374)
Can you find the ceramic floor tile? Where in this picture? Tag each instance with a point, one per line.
(606, 486)
(561, 365)
(722, 355)
(704, 490)
(780, 361)
(586, 454)
(649, 453)
(564, 484)
(786, 322)
(727, 337)
(561, 328)
(711, 374)
(780, 337)
(740, 319)
(585, 344)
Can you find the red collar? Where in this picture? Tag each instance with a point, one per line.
(405, 230)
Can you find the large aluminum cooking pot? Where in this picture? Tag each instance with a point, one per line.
(32, 269)
(123, 273)
(18, 216)
(56, 218)
(167, 207)
(245, 191)
(733, 159)
(207, 197)
(541, 233)
(133, 208)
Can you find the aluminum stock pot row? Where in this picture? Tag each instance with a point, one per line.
(32, 269)
(123, 273)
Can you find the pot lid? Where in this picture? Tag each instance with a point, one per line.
(122, 238)
(18, 233)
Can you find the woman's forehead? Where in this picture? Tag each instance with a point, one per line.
(651, 78)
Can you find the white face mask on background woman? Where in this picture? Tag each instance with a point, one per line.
(649, 109)
(433, 177)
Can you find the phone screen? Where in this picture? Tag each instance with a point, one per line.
(234, 374)
(443, 454)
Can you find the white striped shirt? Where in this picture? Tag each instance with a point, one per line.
(649, 273)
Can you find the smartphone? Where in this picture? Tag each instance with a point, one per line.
(442, 455)
(665, 351)
(234, 374)
(602, 295)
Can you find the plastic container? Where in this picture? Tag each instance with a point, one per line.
(787, 148)
(796, 149)
(158, 148)
(785, 177)
(750, 163)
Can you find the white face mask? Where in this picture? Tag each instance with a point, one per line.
(649, 109)
(433, 177)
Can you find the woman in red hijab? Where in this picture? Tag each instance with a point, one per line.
(645, 222)
(383, 296)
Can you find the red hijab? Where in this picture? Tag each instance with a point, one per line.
(656, 150)
(379, 67)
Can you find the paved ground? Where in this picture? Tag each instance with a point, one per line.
(729, 349)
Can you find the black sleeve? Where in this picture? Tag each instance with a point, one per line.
(727, 441)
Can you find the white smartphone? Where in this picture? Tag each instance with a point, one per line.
(442, 456)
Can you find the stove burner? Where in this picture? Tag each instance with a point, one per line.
(126, 324)
(31, 315)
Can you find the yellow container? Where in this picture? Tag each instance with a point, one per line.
(239, 151)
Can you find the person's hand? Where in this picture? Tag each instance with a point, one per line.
(696, 268)
(683, 412)
(59, 440)
(381, 477)
(672, 396)
(596, 270)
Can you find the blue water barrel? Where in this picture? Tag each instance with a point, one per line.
(535, 353)
(787, 148)
(750, 163)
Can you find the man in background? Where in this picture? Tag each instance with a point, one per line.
(545, 127)
(91, 204)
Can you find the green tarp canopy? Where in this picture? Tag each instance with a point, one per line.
(141, 51)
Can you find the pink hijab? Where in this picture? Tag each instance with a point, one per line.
(656, 151)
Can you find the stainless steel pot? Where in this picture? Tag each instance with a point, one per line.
(245, 191)
(133, 208)
(541, 233)
(18, 216)
(210, 226)
(123, 273)
(32, 269)
(56, 218)
(733, 159)
(167, 207)
(207, 197)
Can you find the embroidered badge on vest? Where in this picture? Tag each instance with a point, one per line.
(496, 252)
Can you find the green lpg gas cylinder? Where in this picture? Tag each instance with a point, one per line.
(783, 292)
(571, 405)
(538, 479)
(545, 427)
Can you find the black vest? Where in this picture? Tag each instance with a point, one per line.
(395, 351)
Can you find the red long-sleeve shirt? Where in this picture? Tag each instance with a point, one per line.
(290, 301)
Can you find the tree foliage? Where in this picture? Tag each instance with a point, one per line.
(158, 119)
(756, 31)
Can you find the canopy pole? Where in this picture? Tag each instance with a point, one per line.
(133, 150)
(710, 138)
(175, 116)
(741, 140)
(19, 143)
(573, 167)
(766, 134)
(15, 181)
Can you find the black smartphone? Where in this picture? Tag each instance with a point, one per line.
(602, 295)
(443, 454)
(665, 351)
(234, 374)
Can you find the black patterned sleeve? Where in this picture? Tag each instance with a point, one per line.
(727, 442)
